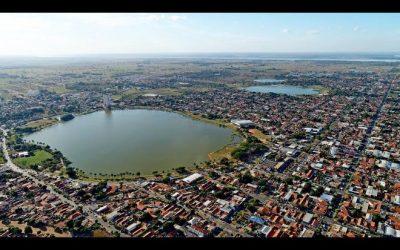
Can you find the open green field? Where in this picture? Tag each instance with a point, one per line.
(35, 231)
(42, 123)
(259, 135)
(322, 89)
(2, 160)
(225, 152)
(37, 158)
(394, 93)
(160, 91)
(59, 89)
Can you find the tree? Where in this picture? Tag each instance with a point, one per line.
(70, 224)
(306, 188)
(246, 178)
(180, 170)
(14, 230)
(239, 154)
(168, 226)
(324, 154)
(224, 161)
(80, 192)
(166, 180)
(146, 217)
(289, 181)
(67, 117)
(18, 210)
(319, 191)
(28, 230)
(299, 135)
(251, 205)
(262, 182)
(71, 173)
(30, 195)
(220, 194)
(213, 175)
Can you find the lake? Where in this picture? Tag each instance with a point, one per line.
(269, 80)
(134, 140)
(283, 89)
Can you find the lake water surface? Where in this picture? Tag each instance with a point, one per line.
(269, 80)
(134, 140)
(283, 89)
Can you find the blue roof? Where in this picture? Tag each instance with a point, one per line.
(327, 197)
(257, 220)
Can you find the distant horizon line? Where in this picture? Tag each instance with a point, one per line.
(394, 53)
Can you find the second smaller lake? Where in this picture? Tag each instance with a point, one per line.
(269, 80)
(283, 89)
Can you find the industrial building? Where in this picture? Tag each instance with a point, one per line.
(243, 123)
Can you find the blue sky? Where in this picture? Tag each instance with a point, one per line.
(48, 34)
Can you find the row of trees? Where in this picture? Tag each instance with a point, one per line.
(251, 146)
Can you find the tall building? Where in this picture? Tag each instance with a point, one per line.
(107, 102)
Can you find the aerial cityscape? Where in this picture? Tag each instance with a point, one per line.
(200, 125)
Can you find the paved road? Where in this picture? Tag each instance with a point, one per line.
(222, 224)
(356, 160)
(31, 175)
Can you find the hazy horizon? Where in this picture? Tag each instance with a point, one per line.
(359, 53)
(72, 34)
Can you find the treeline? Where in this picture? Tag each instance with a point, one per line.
(252, 146)
(67, 117)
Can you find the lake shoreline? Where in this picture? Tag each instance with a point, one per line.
(84, 175)
(284, 89)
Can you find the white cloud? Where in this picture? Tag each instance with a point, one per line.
(285, 31)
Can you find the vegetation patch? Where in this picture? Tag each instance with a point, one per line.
(67, 117)
(39, 124)
(225, 152)
(260, 135)
(250, 147)
(38, 157)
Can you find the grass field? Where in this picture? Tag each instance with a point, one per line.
(59, 89)
(322, 89)
(259, 135)
(12, 138)
(215, 122)
(101, 234)
(42, 123)
(394, 93)
(37, 158)
(160, 91)
(36, 231)
(224, 152)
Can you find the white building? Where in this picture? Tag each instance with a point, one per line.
(243, 123)
(23, 154)
(107, 101)
(192, 178)
(133, 226)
